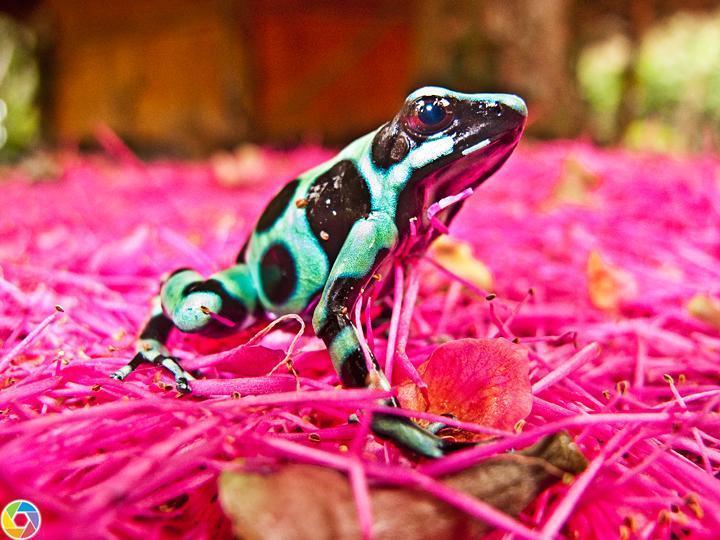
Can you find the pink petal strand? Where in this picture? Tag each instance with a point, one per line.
(607, 341)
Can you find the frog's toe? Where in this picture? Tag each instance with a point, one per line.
(181, 376)
(182, 385)
(436, 427)
(119, 375)
(128, 368)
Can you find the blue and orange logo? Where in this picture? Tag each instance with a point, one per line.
(20, 519)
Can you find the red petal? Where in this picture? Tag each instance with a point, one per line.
(476, 380)
(252, 361)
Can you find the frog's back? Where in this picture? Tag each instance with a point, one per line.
(301, 231)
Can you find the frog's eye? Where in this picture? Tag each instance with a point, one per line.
(429, 115)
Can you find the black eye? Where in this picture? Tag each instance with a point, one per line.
(429, 115)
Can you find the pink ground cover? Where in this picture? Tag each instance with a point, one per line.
(613, 245)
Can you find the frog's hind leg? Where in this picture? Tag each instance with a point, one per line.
(217, 306)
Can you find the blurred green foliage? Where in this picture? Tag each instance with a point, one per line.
(19, 78)
(662, 93)
(678, 65)
(600, 73)
(659, 92)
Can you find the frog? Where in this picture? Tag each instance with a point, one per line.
(325, 237)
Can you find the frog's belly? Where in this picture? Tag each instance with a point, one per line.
(287, 265)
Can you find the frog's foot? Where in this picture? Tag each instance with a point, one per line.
(153, 352)
(408, 435)
(147, 351)
(445, 432)
(181, 376)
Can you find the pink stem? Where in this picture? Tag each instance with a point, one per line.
(369, 365)
(359, 484)
(564, 509)
(586, 354)
(370, 336)
(404, 332)
(27, 341)
(394, 321)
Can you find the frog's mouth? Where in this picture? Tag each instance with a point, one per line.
(472, 165)
(465, 168)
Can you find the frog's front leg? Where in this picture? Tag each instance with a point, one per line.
(215, 307)
(367, 244)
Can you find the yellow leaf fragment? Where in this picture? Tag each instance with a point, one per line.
(575, 183)
(607, 284)
(457, 256)
(706, 308)
(244, 166)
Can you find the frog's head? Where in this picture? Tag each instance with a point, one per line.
(449, 141)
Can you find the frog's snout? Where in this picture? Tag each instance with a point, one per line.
(511, 101)
(497, 119)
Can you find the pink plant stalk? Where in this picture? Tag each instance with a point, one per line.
(635, 381)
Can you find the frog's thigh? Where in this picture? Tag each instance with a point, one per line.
(289, 275)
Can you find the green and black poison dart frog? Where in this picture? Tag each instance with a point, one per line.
(322, 238)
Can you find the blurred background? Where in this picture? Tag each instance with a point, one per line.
(186, 78)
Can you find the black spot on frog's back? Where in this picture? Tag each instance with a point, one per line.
(335, 201)
(278, 274)
(277, 206)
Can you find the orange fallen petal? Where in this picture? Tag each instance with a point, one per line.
(608, 285)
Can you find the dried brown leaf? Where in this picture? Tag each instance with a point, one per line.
(299, 502)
